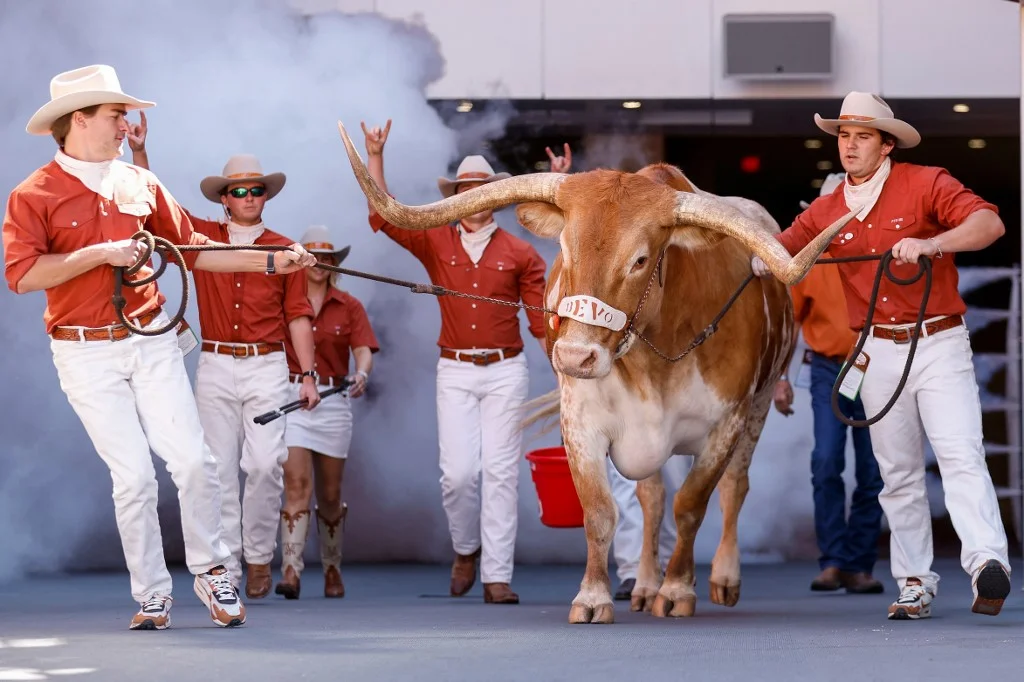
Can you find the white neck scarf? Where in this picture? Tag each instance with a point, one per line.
(866, 193)
(99, 176)
(475, 242)
(239, 234)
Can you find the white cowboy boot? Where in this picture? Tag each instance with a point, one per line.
(294, 531)
(330, 552)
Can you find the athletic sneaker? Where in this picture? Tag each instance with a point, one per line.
(991, 586)
(155, 614)
(218, 593)
(914, 602)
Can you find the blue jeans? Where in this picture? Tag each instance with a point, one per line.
(847, 544)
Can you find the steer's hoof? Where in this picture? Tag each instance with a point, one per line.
(643, 599)
(724, 595)
(683, 607)
(602, 613)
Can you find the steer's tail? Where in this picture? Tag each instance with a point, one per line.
(545, 407)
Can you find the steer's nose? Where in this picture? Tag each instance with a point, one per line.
(576, 359)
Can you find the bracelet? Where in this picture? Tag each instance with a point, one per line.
(364, 375)
(934, 241)
(310, 373)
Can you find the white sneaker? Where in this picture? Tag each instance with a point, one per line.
(155, 614)
(914, 602)
(991, 586)
(216, 590)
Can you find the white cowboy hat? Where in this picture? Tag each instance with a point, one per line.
(78, 89)
(870, 111)
(241, 168)
(828, 185)
(317, 239)
(472, 169)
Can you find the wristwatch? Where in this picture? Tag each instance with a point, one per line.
(310, 373)
(270, 263)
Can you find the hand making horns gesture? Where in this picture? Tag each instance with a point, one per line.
(375, 138)
(560, 164)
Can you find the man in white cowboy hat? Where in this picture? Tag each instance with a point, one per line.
(245, 320)
(318, 440)
(66, 227)
(482, 376)
(914, 211)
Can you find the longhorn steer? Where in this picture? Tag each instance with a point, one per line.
(649, 254)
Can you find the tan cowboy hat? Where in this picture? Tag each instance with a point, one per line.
(472, 169)
(241, 168)
(317, 239)
(828, 185)
(870, 111)
(78, 89)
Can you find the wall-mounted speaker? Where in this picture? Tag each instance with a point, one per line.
(769, 47)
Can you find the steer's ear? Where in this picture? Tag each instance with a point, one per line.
(541, 218)
(694, 238)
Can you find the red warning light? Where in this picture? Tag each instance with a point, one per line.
(750, 164)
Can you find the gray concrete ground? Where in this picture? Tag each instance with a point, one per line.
(396, 623)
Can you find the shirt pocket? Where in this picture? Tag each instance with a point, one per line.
(903, 225)
(500, 277)
(71, 220)
(141, 210)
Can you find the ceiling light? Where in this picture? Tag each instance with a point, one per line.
(631, 104)
(824, 165)
(464, 106)
(812, 144)
(976, 143)
(961, 108)
(816, 183)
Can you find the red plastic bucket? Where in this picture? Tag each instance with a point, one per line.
(556, 495)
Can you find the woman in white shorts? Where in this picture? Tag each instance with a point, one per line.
(318, 439)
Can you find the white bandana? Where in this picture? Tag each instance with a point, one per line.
(866, 193)
(100, 176)
(475, 242)
(239, 234)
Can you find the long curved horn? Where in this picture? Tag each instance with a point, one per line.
(719, 216)
(498, 194)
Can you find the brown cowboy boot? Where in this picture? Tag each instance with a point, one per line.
(499, 593)
(258, 581)
(463, 573)
(294, 531)
(330, 552)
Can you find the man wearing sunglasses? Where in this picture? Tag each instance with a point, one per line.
(243, 370)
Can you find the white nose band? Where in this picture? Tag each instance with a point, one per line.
(593, 311)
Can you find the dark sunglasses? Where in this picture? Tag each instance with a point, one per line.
(242, 192)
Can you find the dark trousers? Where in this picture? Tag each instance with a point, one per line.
(849, 544)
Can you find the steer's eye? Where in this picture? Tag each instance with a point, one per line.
(640, 262)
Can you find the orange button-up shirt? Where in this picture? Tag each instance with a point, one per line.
(819, 307)
(52, 212)
(510, 269)
(916, 201)
(340, 325)
(248, 307)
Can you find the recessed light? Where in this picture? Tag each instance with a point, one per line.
(631, 104)
(961, 108)
(812, 144)
(976, 143)
(824, 165)
(816, 183)
(464, 106)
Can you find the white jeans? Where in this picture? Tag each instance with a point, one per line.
(230, 392)
(133, 395)
(478, 432)
(627, 543)
(940, 401)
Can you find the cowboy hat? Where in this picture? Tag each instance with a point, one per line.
(317, 239)
(241, 168)
(78, 89)
(472, 169)
(870, 111)
(828, 185)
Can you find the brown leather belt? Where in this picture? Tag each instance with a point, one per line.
(242, 351)
(481, 359)
(115, 332)
(322, 381)
(905, 334)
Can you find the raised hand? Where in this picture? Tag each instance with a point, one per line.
(137, 133)
(375, 138)
(560, 164)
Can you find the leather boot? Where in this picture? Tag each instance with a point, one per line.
(827, 581)
(258, 581)
(463, 573)
(499, 593)
(294, 531)
(861, 583)
(330, 552)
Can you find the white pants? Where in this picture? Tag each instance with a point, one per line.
(230, 392)
(940, 401)
(627, 543)
(133, 395)
(478, 432)
(326, 429)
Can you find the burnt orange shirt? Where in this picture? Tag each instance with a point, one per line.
(52, 212)
(340, 325)
(248, 307)
(819, 307)
(916, 201)
(510, 269)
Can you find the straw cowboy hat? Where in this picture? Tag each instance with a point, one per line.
(831, 181)
(870, 111)
(241, 168)
(317, 239)
(78, 89)
(472, 169)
